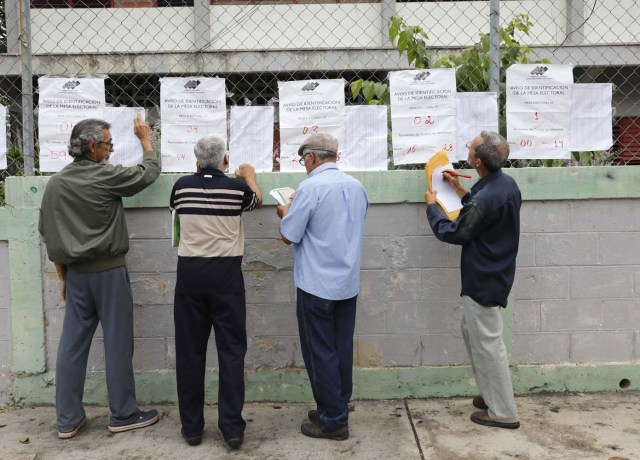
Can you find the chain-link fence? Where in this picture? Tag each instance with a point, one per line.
(254, 44)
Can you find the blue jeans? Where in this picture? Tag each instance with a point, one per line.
(326, 340)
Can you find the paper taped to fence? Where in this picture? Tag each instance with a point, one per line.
(251, 137)
(308, 107)
(63, 102)
(190, 108)
(365, 138)
(423, 113)
(591, 117)
(538, 110)
(475, 112)
(127, 149)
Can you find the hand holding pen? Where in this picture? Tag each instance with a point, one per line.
(456, 174)
(452, 177)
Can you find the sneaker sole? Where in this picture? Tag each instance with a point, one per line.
(72, 433)
(134, 426)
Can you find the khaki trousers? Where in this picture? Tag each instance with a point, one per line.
(482, 331)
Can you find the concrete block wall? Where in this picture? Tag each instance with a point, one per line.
(572, 325)
(577, 290)
(6, 355)
(408, 311)
(576, 297)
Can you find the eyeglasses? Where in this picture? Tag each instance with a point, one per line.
(468, 145)
(110, 144)
(303, 158)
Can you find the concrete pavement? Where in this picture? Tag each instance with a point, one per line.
(558, 426)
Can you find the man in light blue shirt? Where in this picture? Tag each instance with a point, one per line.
(325, 223)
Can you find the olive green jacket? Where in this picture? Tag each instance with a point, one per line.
(82, 217)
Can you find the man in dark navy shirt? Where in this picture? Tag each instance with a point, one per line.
(488, 229)
(210, 287)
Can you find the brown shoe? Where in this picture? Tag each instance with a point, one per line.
(314, 431)
(478, 402)
(482, 418)
(313, 417)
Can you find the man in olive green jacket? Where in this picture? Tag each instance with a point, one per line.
(83, 226)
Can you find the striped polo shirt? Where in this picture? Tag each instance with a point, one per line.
(210, 205)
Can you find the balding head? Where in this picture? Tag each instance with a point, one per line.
(493, 151)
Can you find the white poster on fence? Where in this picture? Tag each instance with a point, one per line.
(308, 107)
(62, 103)
(3, 137)
(423, 113)
(591, 117)
(538, 110)
(127, 149)
(365, 138)
(475, 112)
(251, 137)
(190, 108)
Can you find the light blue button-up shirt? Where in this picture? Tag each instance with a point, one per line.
(326, 224)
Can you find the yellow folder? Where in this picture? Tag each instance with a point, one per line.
(436, 161)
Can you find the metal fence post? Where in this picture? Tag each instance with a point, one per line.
(494, 46)
(27, 88)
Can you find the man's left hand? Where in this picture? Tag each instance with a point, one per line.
(430, 197)
(245, 171)
(282, 210)
(143, 132)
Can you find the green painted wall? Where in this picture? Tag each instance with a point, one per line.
(18, 225)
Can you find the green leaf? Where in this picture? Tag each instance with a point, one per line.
(395, 23)
(356, 86)
(381, 90)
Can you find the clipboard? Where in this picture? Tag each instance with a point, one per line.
(441, 161)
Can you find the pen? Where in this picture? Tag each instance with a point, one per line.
(453, 173)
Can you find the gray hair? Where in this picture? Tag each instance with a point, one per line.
(83, 132)
(322, 155)
(493, 151)
(210, 151)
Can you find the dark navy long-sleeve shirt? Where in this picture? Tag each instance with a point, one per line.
(488, 229)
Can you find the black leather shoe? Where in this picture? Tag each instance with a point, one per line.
(191, 440)
(235, 442)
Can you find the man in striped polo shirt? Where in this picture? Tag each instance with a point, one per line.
(210, 287)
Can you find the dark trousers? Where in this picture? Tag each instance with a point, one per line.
(103, 297)
(326, 340)
(194, 314)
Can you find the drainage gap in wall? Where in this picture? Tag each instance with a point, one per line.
(625, 383)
